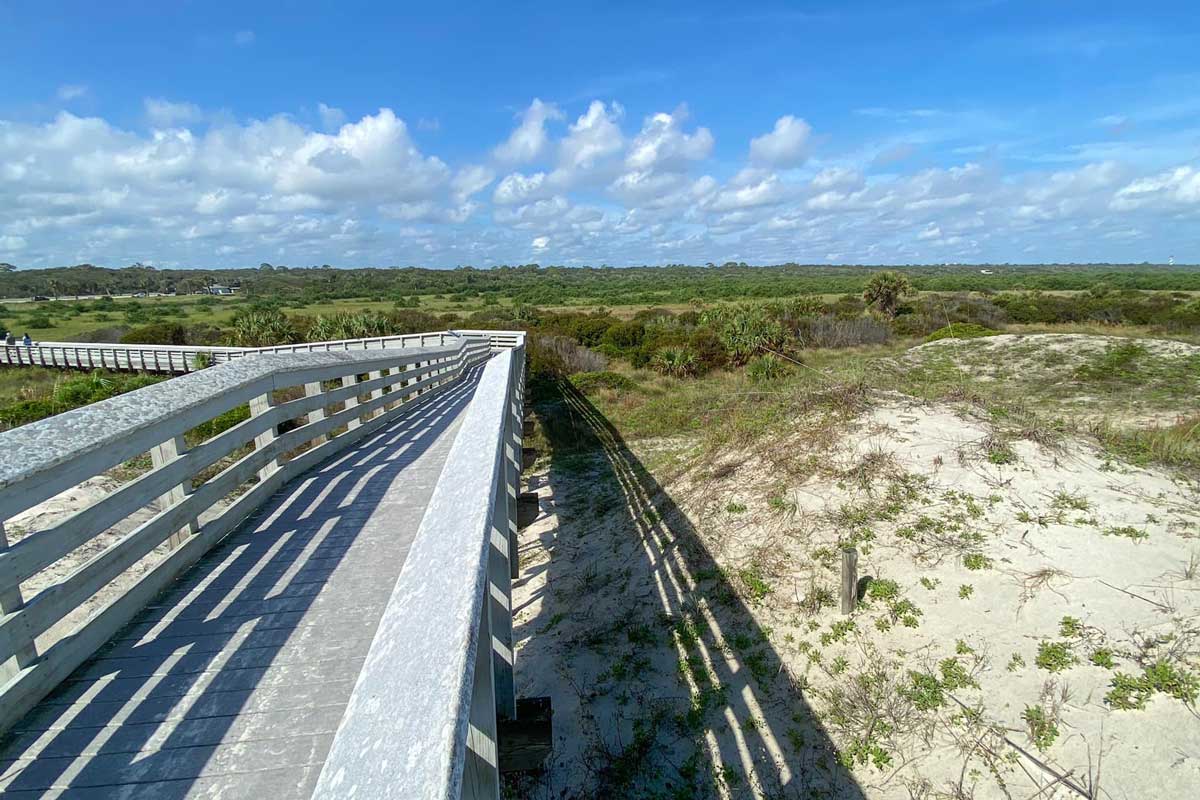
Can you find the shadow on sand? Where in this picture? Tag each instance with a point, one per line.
(664, 685)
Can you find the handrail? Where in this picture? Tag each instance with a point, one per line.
(176, 359)
(422, 719)
(346, 395)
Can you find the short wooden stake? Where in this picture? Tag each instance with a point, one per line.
(849, 580)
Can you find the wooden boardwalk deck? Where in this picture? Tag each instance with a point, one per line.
(233, 682)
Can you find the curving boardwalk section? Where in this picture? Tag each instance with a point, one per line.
(234, 681)
(299, 585)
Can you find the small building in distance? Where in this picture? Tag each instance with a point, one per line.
(224, 290)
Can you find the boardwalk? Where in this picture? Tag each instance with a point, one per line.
(233, 682)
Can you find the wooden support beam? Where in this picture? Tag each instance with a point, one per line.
(527, 741)
(849, 580)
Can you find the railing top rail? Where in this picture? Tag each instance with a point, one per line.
(405, 728)
(364, 342)
(164, 348)
(126, 425)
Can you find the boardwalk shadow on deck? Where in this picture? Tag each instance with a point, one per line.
(690, 714)
(166, 712)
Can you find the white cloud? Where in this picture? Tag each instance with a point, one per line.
(471, 180)
(1179, 186)
(71, 91)
(517, 188)
(165, 114)
(244, 38)
(202, 188)
(594, 136)
(528, 141)
(331, 118)
(749, 188)
(663, 144)
(785, 146)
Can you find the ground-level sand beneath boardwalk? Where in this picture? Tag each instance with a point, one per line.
(1023, 593)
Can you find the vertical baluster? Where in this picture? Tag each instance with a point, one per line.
(375, 393)
(351, 401)
(160, 456)
(317, 414)
(500, 597)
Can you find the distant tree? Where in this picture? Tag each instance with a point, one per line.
(884, 291)
(7, 268)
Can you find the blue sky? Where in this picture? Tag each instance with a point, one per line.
(224, 134)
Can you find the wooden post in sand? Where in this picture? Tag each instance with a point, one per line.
(849, 579)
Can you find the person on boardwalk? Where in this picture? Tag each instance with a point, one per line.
(9, 339)
(25, 340)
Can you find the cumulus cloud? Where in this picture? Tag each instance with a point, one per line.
(592, 137)
(1179, 186)
(517, 188)
(528, 141)
(331, 118)
(165, 114)
(785, 146)
(196, 188)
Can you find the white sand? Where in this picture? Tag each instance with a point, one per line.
(612, 561)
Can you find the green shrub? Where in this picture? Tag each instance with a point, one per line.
(588, 382)
(348, 325)
(262, 329)
(765, 368)
(679, 362)
(38, 322)
(625, 335)
(169, 333)
(25, 411)
(744, 330)
(960, 330)
(1055, 656)
(1042, 728)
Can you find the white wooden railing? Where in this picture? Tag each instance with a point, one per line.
(335, 396)
(181, 359)
(422, 719)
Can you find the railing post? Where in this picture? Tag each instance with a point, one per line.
(10, 602)
(317, 414)
(481, 772)
(261, 405)
(160, 456)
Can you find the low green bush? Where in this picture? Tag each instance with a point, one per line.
(766, 368)
(25, 411)
(588, 382)
(170, 333)
(960, 330)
